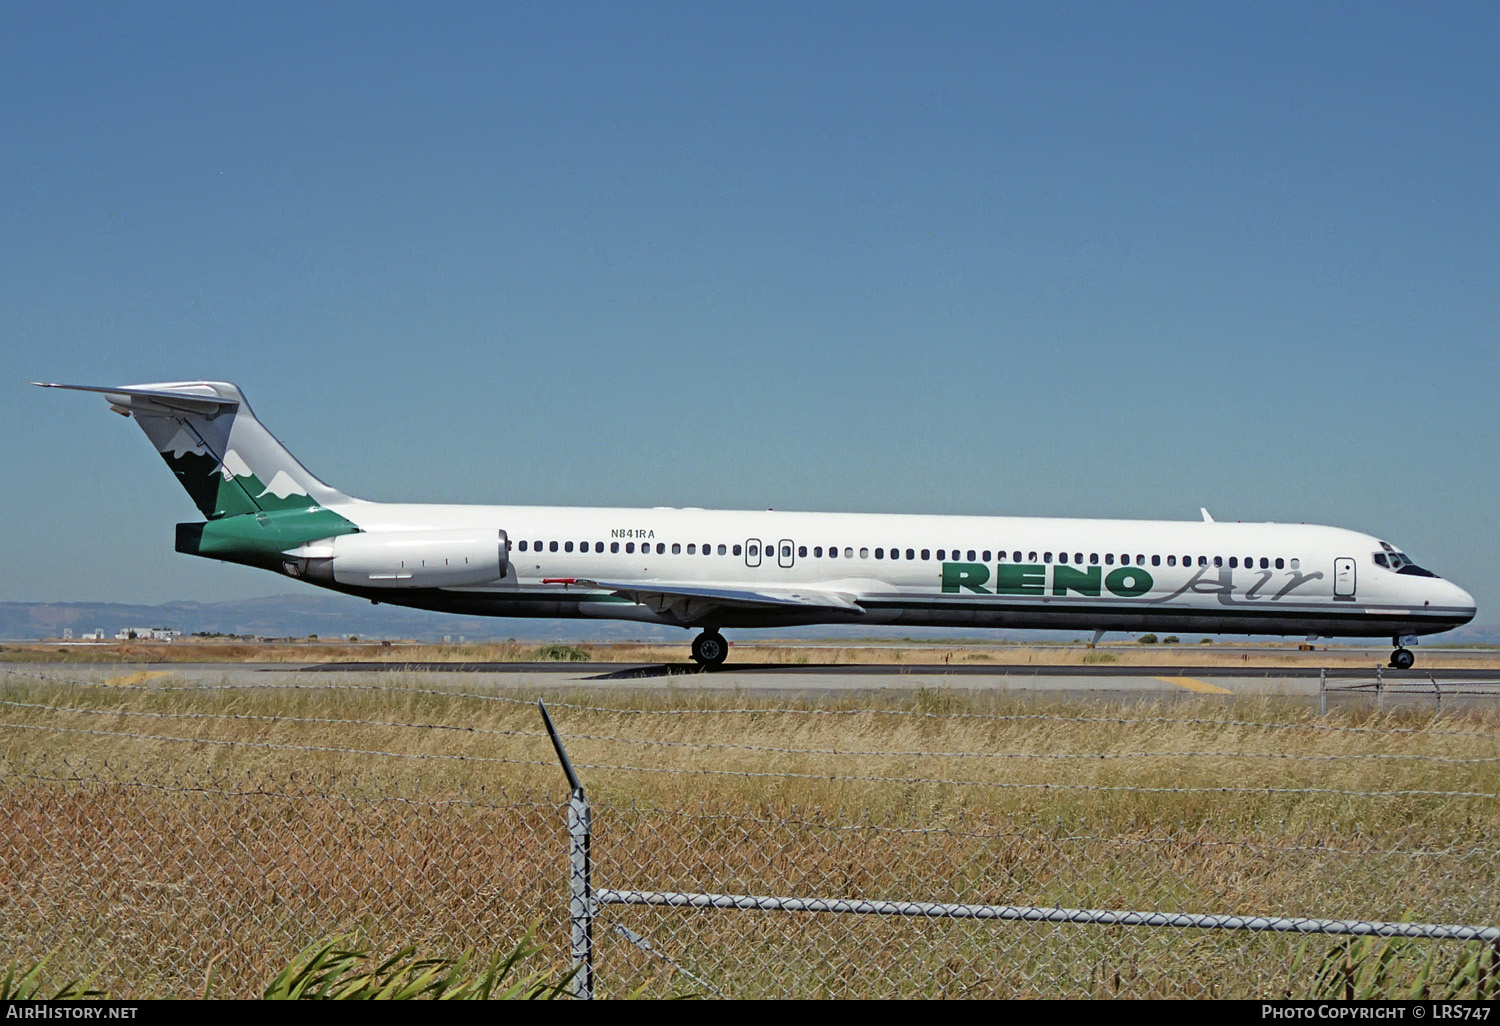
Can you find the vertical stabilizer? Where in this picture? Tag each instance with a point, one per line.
(224, 457)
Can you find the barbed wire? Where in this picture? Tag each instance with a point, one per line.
(757, 774)
(1016, 785)
(274, 746)
(767, 749)
(1427, 731)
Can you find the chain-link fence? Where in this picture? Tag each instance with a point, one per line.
(171, 838)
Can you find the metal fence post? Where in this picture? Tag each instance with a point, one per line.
(1379, 689)
(1323, 691)
(580, 884)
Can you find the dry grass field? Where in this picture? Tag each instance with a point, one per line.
(164, 838)
(744, 652)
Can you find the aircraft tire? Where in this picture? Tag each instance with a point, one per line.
(710, 650)
(1402, 659)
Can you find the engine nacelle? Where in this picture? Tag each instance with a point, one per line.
(449, 558)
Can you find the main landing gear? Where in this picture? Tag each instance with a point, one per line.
(710, 650)
(1402, 658)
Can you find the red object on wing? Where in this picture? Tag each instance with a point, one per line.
(559, 580)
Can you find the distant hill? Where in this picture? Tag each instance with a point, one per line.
(330, 615)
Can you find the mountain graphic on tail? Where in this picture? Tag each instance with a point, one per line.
(226, 460)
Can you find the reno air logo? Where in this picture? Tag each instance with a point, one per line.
(1032, 579)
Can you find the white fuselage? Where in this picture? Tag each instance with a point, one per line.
(1122, 575)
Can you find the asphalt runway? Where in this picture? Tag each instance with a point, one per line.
(1102, 682)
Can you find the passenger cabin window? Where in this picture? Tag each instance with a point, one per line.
(1046, 557)
(1171, 561)
(1156, 561)
(661, 549)
(1295, 564)
(614, 547)
(692, 549)
(1280, 563)
(567, 546)
(721, 550)
(736, 550)
(817, 552)
(942, 553)
(754, 550)
(833, 553)
(802, 551)
(986, 556)
(630, 548)
(912, 554)
(880, 553)
(1109, 559)
(848, 552)
(926, 554)
(1234, 563)
(1062, 557)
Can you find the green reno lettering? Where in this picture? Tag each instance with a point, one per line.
(1031, 579)
(1067, 578)
(965, 575)
(1020, 579)
(1129, 581)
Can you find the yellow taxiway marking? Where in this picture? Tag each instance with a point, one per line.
(131, 679)
(1193, 684)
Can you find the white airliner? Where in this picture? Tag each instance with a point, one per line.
(711, 569)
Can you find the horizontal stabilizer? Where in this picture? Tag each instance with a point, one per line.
(147, 399)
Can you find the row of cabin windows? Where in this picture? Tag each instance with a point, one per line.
(629, 548)
(970, 555)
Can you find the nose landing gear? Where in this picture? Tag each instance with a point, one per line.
(1402, 658)
(710, 650)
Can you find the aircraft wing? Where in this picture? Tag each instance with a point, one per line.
(689, 601)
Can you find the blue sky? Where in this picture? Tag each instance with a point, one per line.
(1070, 259)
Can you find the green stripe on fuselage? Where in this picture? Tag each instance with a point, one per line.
(259, 539)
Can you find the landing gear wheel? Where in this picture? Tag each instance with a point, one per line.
(710, 650)
(1402, 659)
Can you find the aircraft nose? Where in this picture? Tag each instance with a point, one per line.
(1461, 601)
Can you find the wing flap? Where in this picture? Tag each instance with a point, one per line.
(666, 596)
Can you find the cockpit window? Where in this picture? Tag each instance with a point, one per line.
(1399, 562)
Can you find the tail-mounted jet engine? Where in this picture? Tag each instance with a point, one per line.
(453, 558)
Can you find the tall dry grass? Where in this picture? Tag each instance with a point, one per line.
(160, 829)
